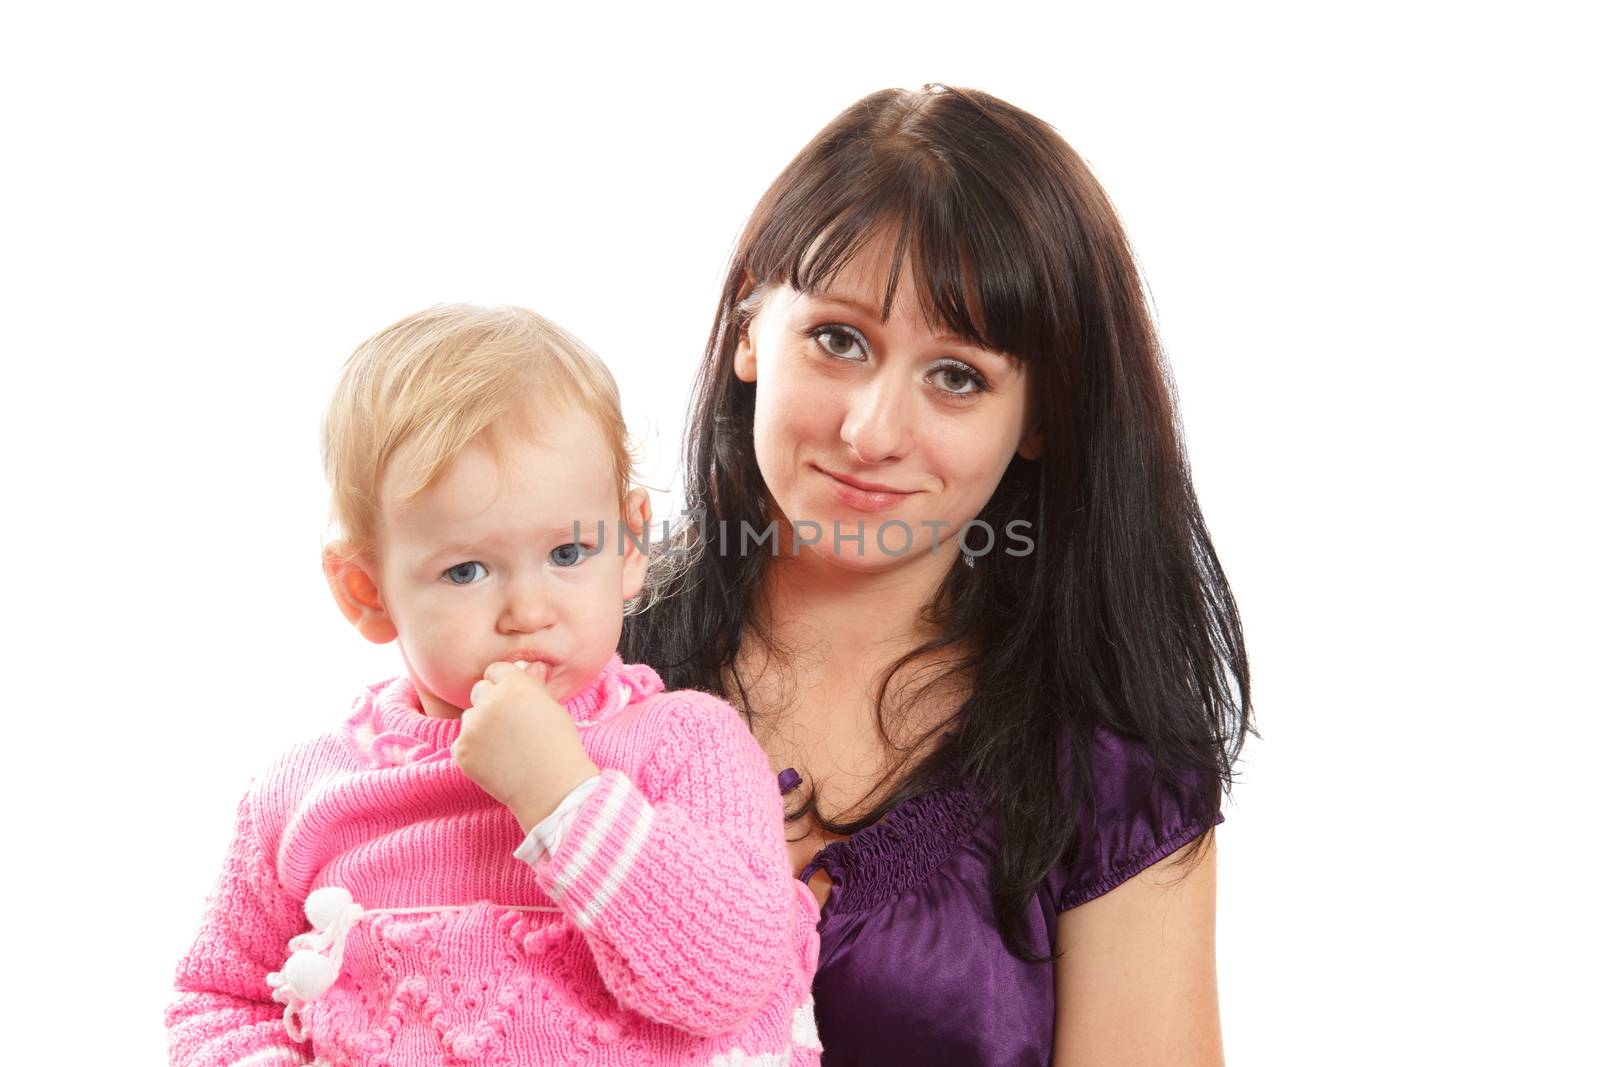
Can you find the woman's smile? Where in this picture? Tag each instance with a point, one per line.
(861, 495)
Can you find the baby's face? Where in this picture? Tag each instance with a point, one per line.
(483, 566)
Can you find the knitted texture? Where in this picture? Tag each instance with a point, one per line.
(665, 928)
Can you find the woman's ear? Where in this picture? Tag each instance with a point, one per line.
(1032, 446)
(744, 357)
(636, 513)
(355, 589)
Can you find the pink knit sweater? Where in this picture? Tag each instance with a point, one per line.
(665, 928)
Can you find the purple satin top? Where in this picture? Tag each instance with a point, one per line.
(912, 967)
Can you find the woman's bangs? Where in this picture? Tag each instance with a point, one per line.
(965, 286)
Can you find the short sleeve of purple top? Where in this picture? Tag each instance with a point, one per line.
(912, 967)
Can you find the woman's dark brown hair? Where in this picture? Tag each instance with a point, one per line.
(1121, 615)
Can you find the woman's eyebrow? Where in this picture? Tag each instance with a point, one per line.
(877, 314)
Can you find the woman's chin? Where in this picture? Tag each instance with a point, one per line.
(870, 561)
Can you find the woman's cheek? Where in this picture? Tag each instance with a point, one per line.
(772, 442)
(806, 430)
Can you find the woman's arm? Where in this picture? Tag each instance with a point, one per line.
(1137, 981)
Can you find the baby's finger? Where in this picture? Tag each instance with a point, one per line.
(538, 669)
(479, 690)
(499, 671)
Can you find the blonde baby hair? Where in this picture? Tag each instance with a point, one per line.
(442, 379)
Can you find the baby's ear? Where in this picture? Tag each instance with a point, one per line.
(355, 589)
(636, 513)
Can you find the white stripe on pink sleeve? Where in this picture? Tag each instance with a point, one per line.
(590, 838)
(619, 870)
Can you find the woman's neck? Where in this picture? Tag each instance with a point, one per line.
(835, 632)
(834, 614)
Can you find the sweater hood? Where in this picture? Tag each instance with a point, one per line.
(388, 724)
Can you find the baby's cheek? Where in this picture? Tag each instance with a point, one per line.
(449, 671)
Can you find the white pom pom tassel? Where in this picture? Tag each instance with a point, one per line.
(309, 974)
(326, 906)
(315, 957)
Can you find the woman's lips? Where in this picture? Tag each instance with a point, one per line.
(861, 499)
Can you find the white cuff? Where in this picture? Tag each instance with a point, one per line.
(546, 836)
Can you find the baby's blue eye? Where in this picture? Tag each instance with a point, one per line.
(567, 555)
(462, 573)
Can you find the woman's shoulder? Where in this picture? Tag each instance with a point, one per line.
(1131, 814)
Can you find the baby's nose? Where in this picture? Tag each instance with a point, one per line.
(528, 607)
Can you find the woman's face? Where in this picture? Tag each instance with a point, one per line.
(922, 425)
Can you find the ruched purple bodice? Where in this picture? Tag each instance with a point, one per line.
(912, 967)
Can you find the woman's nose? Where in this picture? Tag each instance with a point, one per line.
(876, 424)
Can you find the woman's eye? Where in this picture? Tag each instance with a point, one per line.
(837, 341)
(954, 377)
(462, 573)
(567, 555)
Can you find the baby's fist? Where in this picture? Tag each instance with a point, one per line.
(519, 744)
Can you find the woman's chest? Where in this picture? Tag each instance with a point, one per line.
(841, 779)
(804, 849)
(910, 942)
(828, 729)
(927, 980)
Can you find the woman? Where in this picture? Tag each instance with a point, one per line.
(1005, 751)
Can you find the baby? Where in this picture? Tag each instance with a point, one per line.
(522, 850)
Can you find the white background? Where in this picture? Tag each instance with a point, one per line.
(1369, 232)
